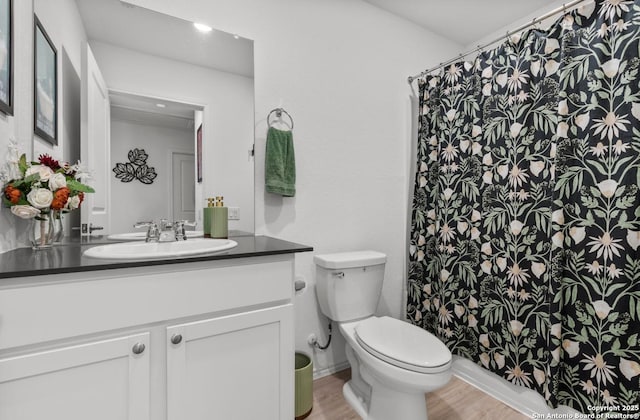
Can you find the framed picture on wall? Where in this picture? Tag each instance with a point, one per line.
(45, 57)
(199, 152)
(6, 56)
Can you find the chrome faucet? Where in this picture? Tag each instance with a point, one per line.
(167, 232)
(153, 235)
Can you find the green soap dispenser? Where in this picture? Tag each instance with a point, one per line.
(220, 220)
(207, 218)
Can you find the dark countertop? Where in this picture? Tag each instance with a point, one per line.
(67, 257)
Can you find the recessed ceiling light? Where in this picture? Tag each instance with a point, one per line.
(161, 105)
(202, 27)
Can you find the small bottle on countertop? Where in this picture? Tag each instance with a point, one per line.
(220, 220)
(207, 217)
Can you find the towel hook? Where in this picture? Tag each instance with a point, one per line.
(279, 112)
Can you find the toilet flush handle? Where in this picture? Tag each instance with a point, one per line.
(339, 274)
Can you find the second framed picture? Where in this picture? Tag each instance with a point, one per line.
(45, 58)
(6, 56)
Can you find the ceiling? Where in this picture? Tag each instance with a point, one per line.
(462, 21)
(145, 110)
(128, 26)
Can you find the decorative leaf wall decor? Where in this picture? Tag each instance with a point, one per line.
(136, 168)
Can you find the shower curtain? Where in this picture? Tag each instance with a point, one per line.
(524, 253)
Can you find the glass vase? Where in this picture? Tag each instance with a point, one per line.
(58, 231)
(41, 232)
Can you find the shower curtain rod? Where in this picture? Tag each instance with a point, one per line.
(479, 48)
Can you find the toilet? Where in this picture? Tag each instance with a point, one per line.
(393, 363)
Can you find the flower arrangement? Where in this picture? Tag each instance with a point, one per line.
(35, 189)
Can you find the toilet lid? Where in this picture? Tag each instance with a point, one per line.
(403, 345)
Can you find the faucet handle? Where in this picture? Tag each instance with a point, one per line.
(165, 224)
(178, 228)
(152, 231)
(142, 224)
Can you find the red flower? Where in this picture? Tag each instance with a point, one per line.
(12, 194)
(81, 195)
(47, 160)
(60, 198)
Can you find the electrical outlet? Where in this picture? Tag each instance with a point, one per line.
(234, 213)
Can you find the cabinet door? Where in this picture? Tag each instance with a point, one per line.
(234, 367)
(101, 380)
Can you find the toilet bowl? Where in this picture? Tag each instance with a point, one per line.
(393, 363)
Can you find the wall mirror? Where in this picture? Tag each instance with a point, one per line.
(182, 94)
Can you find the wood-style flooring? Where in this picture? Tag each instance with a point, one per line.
(457, 401)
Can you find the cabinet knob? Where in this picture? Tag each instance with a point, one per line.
(138, 348)
(176, 338)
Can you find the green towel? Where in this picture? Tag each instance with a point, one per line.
(280, 163)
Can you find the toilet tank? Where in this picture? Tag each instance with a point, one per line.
(348, 284)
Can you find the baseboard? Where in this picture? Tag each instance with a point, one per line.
(330, 370)
(524, 400)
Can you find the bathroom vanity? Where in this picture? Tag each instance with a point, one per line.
(191, 338)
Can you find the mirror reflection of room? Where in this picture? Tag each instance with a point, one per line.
(164, 80)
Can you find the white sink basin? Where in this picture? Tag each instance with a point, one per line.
(141, 236)
(156, 250)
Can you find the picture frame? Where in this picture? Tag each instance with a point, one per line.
(199, 153)
(45, 85)
(6, 56)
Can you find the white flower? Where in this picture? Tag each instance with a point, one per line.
(462, 226)
(563, 109)
(516, 227)
(73, 202)
(501, 79)
(620, 147)
(571, 347)
(473, 302)
(452, 74)
(503, 170)
(486, 248)
(515, 129)
(562, 130)
(613, 8)
(516, 327)
(535, 67)
(24, 211)
(608, 187)
(633, 238)
(475, 233)
(635, 110)
(464, 145)
(558, 217)
(475, 216)
(557, 239)
(57, 181)
(602, 308)
(487, 73)
(605, 245)
(486, 89)
(582, 121)
(45, 172)
(536, 167)
(447, 193)
(517, 79)
(599, 368)
(451, 114)
(538, 269)
(487, 177)
(484, 358)
(577, 234)
(40, 198)
(598, 150)
(499, 358)
(472, 321)
(551, 45)
(502, 263)
(539, 375)
(486, 266)
(458, 310)
(551, 67)
(556, 330)
(476, 131)
(610, 125)
(629, 368)
(517, 276)
(610, 68)
(484, 339)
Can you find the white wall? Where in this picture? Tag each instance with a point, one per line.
(158, 142)
(62, 22)
(228, 117)
(340, 69)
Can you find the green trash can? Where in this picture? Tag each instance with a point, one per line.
(304, 385)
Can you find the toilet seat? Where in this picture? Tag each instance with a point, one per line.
(403, 345)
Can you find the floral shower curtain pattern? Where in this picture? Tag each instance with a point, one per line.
(524, 253)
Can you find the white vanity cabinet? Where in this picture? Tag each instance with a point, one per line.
(192, 341)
